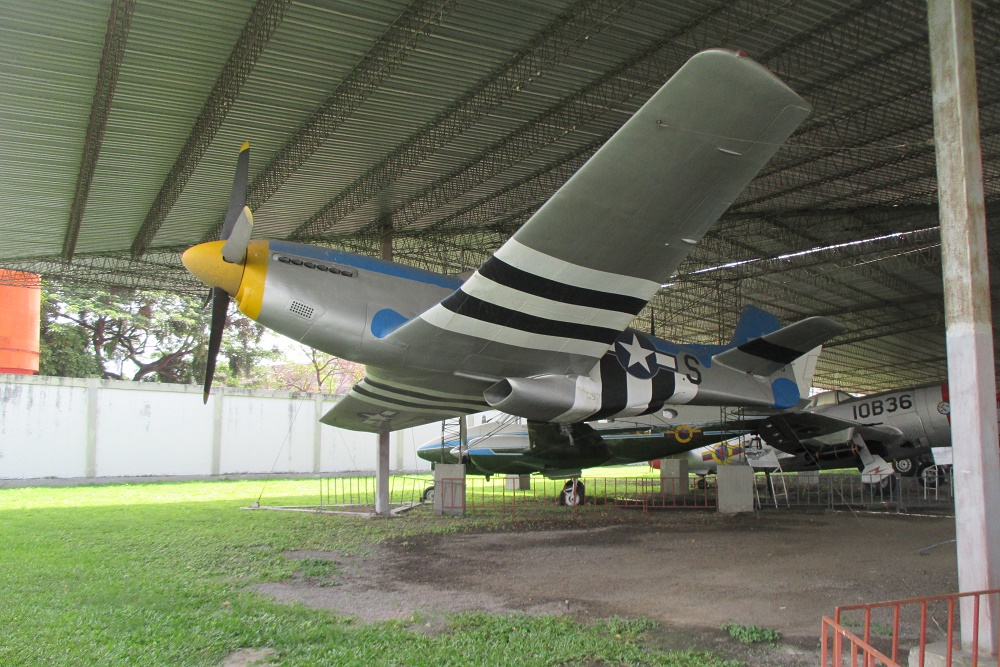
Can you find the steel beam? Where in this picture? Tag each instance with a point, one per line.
(265, 17)
(968, 314)
(552, 46)
(115, 39)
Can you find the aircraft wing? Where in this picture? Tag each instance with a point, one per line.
(796, 432)
(555, 296)
(378, 403)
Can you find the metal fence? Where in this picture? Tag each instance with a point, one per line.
(645, 493)
(774, 490)
(933, 489)
(884, 632)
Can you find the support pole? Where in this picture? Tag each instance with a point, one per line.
(382, 462)
(382, 475)
(971, 374)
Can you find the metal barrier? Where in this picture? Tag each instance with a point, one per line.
(832, 490)
(645, 493)
(859, 648)
(360, 491)
(913, 622)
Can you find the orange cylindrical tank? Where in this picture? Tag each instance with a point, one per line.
(20, 312)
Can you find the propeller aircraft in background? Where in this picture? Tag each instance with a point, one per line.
(541, 329)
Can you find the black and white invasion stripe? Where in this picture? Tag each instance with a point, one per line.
(528, 299)
(387, 394)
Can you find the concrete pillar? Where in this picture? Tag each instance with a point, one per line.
(449, 489)
(517, 482)
(317, 433)
(382, 475)
(216, 397)
(674, 476)
(90, 454)
(968, 317)
(735, 489)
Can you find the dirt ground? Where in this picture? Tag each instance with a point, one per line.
(690, 571)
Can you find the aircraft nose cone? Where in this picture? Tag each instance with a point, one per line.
(205, 262)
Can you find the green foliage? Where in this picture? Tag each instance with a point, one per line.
(64, 351)
(151, 336)
(157, 574)
(751, 634)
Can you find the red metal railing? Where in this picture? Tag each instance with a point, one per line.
(913, 612)
(860, 649)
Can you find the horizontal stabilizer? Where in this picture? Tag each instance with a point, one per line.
(772, 352)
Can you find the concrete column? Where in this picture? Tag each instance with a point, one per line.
(90, 455)
(449, 489)
(317, 433)
(382, 475)
(968, 318)
(674, 476)
(216, 397)
(735, 489)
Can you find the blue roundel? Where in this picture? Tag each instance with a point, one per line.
(636, 354)
(786, 393)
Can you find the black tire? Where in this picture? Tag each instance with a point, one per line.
(884, 485)
(932, 477)
(569, 497)
(906, 467)
(428, 495)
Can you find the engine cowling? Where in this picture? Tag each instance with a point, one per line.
(549, 398)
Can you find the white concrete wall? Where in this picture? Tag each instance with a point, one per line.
(70, 428)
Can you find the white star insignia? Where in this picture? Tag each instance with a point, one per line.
(637, 354)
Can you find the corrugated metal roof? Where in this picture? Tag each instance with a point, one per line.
(460, 119)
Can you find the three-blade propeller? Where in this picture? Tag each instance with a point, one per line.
(236, 232)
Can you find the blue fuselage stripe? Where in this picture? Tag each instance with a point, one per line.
(365, 263)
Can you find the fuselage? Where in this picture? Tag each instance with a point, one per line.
(917, 417)
(347, 305)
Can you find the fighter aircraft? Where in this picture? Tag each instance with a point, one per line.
(541, 329)
(837, 430)
(834, 430)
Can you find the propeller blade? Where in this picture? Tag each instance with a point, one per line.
(234, 250)
(238, 195)
(220, 306)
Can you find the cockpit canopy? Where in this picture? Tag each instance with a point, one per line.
(828, 398)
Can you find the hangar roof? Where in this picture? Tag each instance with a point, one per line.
(456, 120)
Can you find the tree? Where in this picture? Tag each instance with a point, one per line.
(141, 335)
(322, 373)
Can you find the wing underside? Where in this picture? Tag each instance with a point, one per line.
(795, 433)
(378, 404)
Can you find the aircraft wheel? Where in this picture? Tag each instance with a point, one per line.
(883, 485)
(428, 494)
(905, 467)
(573, 494)
(701, 483)
(931, 477)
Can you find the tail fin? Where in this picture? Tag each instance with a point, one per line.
(768, 354)
(753, 323)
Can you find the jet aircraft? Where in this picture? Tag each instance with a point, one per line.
(541, 329)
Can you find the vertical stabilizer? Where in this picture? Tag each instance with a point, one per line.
(754, 322)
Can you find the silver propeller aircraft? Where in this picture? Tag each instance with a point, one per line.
(836, 430)
(540, 330)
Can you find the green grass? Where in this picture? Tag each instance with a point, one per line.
(156, 574)
(752, 634)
